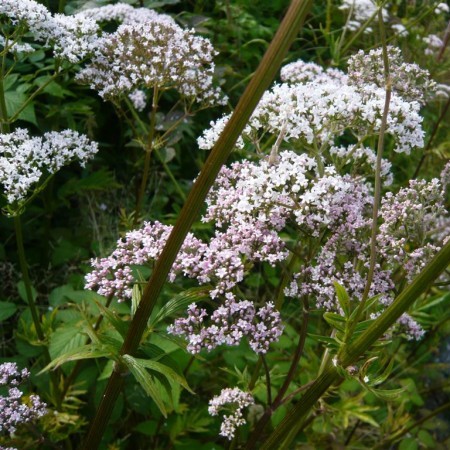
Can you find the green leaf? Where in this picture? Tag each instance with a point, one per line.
(408, 444)
(387, 394)
(53, 88)
(60, 295)
(178, 303)
(14, 101)
(335, 320)
(147, 427)
(432, 304)
(426, 438)
(114, 320)
(100, 180)
(66, 338)
(164, 370)
(136, 295)
(23, 292)
(146, 381)
(343, 298)
(83, 352)
(7, 309)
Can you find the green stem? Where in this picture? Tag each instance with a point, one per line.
(4, 123)
(171, 175)
(289, 427)
(32, 96)
(79, 364)
(377, 193)
(259, 428)
(264, 76)
(61, 6)
(397, 435)
(32, 306)
(26, 278)
(255, 375)
(148, 152)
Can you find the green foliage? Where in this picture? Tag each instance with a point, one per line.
(385, 399)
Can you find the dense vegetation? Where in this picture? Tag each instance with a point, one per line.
(183, 272)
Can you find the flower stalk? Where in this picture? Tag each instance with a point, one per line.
(264, 75)
(290, 426)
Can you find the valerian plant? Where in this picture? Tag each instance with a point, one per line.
(298, 299)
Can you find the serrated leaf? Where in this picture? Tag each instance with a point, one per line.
(145, 380)
(343, 298)
(83, 352)
(65, 339)
(164, 370)
(119, 325)
(7, 309)
(178, 303)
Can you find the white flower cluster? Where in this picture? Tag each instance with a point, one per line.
(408, 80)
(15, 47)
(315, 107)
(236, 400)
(24, 159)
(72, 38)
(360, 11)
(308, 72)
(123, 13)
(158, 54)
(139, 99)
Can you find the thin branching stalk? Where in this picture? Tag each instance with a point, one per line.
(32, 305)
(426, 152)
(262, 79)
(377, 192)
(32, 96)
(278, 401)
(286, 431)
(255, 374)
(79, 364)
(148, 152)
(268, 382)
(398, 434)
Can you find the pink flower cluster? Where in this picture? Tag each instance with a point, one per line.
(234, 400)
(13, 410)
(229, 324)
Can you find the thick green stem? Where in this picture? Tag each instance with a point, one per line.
(289, 427)
(264, 75)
